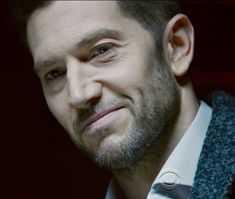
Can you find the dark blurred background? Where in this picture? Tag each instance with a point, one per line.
(37, 158)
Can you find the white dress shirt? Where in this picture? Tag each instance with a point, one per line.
(180, 167)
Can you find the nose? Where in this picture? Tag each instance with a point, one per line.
(84, 90)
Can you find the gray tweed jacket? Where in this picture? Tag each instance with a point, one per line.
(216, 167)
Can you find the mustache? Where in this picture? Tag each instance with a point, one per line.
(86, 113)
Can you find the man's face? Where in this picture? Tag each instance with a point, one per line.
(102, 80)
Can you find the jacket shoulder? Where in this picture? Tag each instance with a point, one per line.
(216, 166)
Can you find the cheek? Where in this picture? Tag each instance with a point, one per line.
(60, 111)
(130, 72)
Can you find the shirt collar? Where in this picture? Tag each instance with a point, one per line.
(180, 167)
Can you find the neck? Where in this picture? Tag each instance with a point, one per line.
(135, 182)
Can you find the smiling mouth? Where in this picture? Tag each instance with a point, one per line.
(98, 117)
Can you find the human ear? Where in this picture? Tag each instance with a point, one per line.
(178, 44)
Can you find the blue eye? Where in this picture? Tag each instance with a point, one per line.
(54, 74)
(101, 51)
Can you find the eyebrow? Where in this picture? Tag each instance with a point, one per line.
(88, 39)
(45, 63)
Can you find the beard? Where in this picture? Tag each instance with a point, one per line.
(155, 112)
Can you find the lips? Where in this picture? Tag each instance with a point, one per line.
(98, 116)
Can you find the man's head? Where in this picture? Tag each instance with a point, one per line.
(109, 75)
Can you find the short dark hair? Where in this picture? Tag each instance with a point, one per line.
(152, 15)
(21, 11)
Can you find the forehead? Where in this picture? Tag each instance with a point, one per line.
(61, 13)
(68, 18)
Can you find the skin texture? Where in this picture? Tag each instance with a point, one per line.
(102, 81)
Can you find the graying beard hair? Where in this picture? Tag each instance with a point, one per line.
(146, 145)
(121, 159)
